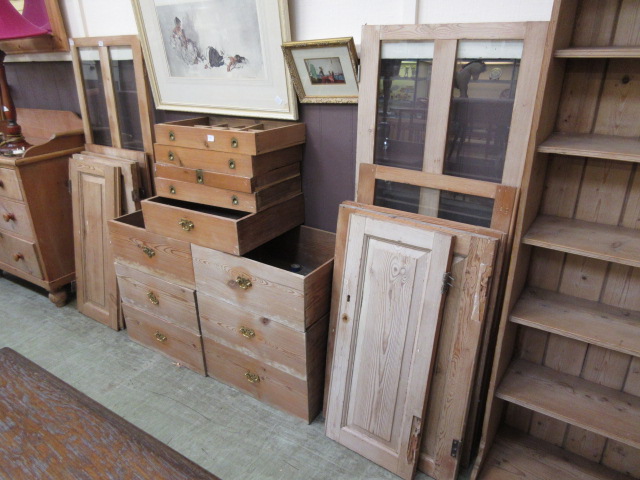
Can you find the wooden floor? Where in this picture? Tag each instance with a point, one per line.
(226, 432)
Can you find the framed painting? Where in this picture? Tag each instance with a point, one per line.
(218, 56)
(324, 71)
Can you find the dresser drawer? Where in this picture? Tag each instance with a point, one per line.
(233, 200)
(9, 184)
(266, 383)
(168, 301)
(223, 229)
(233, 135)
(20, 254)
(156, 254)
(233, 164)
(177, 343)
(14, 217)
(266, 340)
(261, 282)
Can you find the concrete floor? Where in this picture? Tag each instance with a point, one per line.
(225, 431)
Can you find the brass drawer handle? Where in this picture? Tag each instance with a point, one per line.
(149, 252)
(232, 164)
(8, 217)
(152, 298)
(160, 337)
(234, 200)
(252, 377)
(243, 282)
(18, 256)
(172, 190)
(171, 157)
(172, 136)
(234, 143)
(187, 225)
(199, 176)
(247, 332)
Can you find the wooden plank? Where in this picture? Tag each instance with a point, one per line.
(617, 109)
(140, 158)
(95, 199)
(110, 96)
(82, 97)
(583, 320)
(568, 398)
(598, 52)
(517, 456)
(625, 149)
(479, 31)
(589, 239)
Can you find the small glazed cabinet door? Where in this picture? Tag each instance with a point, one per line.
(387, 324)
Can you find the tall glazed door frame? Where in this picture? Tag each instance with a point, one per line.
(446, 38)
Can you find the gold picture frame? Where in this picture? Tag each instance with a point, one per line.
(323, 71)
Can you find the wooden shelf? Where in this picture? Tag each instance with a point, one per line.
(517, 456)
(598, 52)
(611, 147)
(604, 242)
(571, 399)
(592, 322)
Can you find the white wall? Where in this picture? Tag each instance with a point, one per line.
(313, 19)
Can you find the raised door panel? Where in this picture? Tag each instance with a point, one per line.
(388, 319)
(95, 199)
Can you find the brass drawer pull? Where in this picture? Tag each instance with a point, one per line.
(172, 157)
(172, 136)
(252, 377)
(234, 200)
(243, 282)
(232, 164)
(247, 332)
(172, 190)
(18, 256)
(187, 225)
(8, 217)
(234, 143)
(160, 337)
(149, 252)
(199, 176)
(152, 298)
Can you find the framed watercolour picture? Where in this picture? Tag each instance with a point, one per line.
(324, 71)
(218, 56)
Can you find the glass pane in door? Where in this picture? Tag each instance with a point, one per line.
(485, 83)
(402, 103)
(94, 93)
(124, 89)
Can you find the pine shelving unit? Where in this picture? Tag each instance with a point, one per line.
(564, 398)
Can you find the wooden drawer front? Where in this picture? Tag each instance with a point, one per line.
(150, 252)
(9, 184)
(260, 380)
(20, 254)
(180, 344)
(227, 230)
(233, 135)
(14, 217)
(226, 181)
(227, 163)
(254, 335)
(217, 197)
(169, 301)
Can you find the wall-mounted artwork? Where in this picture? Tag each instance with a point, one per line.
(324, 71)
(218, 56)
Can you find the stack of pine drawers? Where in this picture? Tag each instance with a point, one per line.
(229, 197)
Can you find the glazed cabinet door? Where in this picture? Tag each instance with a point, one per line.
(95, 199)
(387, 324)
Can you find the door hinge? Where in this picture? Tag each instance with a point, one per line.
(69, 187)
(455, 448)
(447, 281)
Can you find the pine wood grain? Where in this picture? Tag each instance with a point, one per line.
(626, 149)
(599, 52)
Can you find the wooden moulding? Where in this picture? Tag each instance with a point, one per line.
(465, 310)
(258, 201)
(240, 136)
(232, 163)
(223, 229)
(153, 253)
(296, 299)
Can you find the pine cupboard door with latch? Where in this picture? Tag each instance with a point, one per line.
(390, 305)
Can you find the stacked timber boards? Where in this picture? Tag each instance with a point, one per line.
(258, 321)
